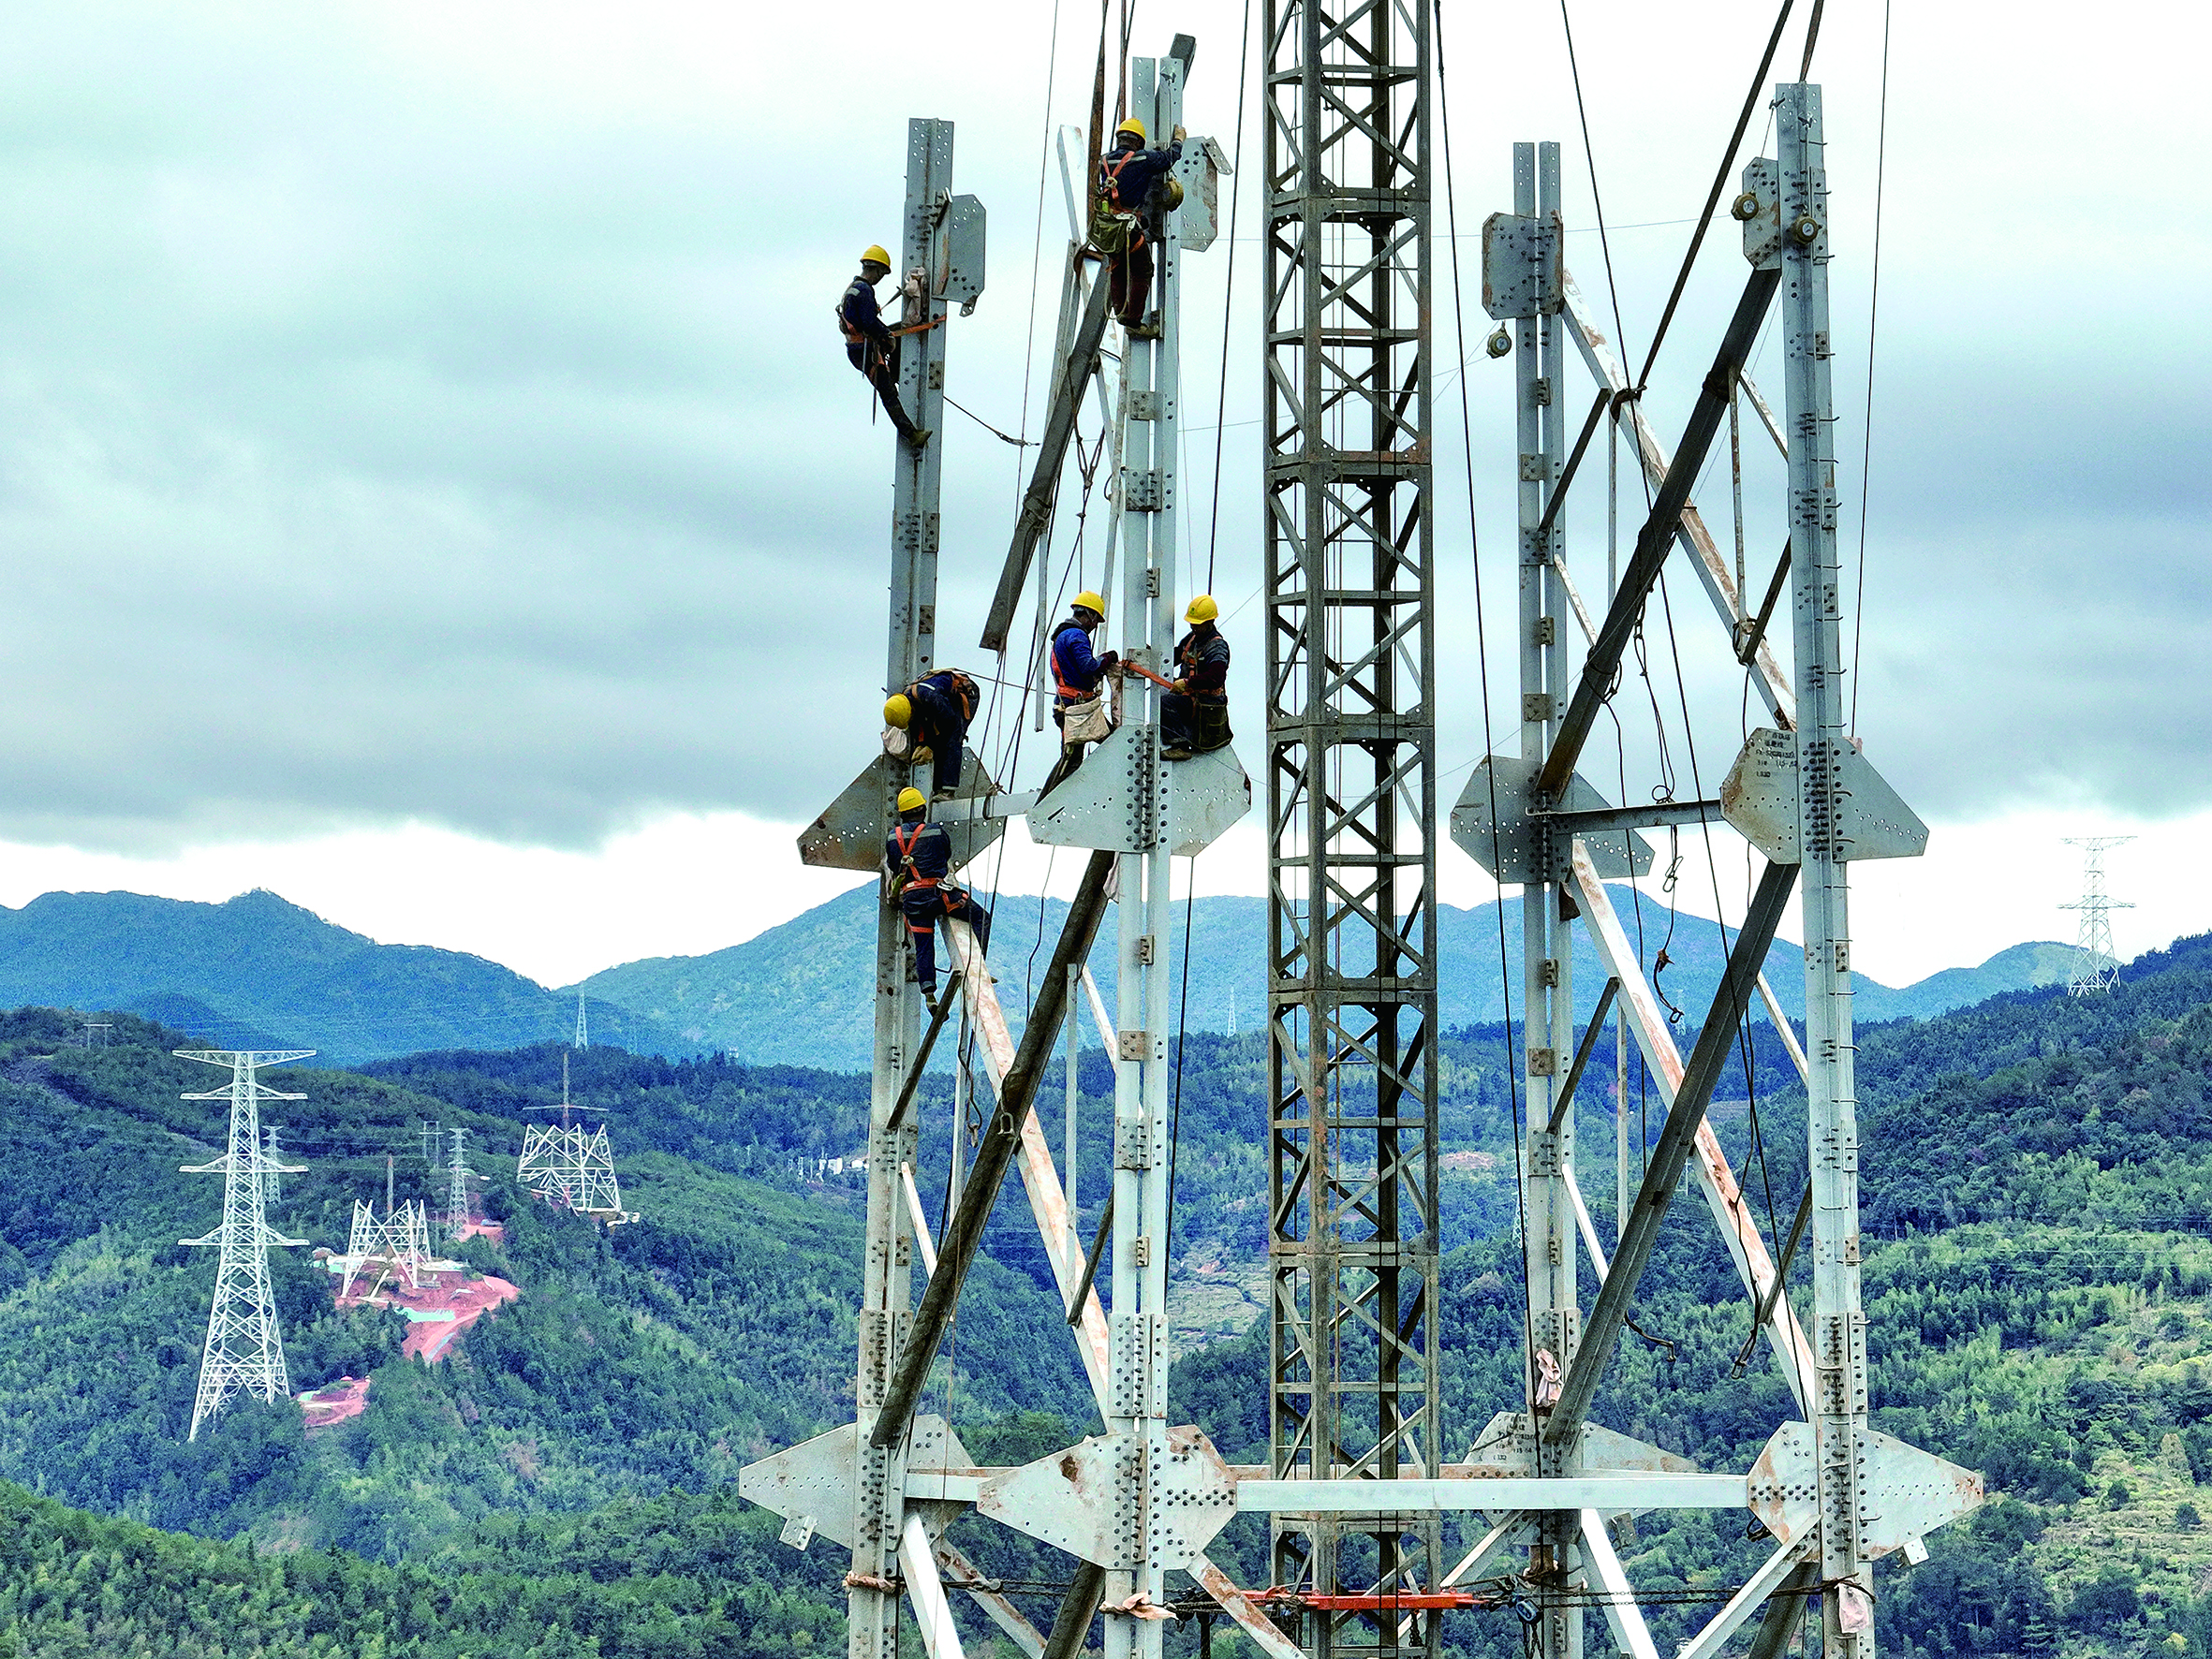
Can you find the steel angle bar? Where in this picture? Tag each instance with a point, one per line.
(1583, 1222)
(1250, 1616)
(1657, 535)
(919, 1221)
(929, 1041)
(1609, 1492)
(1621, 1611)
(1041, 1180)
(1778, 1624)
(1070, 378)
(1739, 1228)
(1492, 1544)
(1763, 1583)
(1766, 415)
(1078, 1606)
(961, 1574)
(964, 1237)
(1582, 1054)
(924, 1590)
(1676, 1141)
(1711, 568)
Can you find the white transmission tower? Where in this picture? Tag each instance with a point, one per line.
(583, 1038)
(457, 1176)
(2096, 964)
(244, 1350)
(569, 1167)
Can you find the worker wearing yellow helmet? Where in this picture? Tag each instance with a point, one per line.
(870, 346)
(918, 858)
(1194, 713)
(934, 711)
(1079, 674)
(1124, 206)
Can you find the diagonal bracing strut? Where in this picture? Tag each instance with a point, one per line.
(1715, 1038)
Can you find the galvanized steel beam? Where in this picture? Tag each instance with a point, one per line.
(1352, 793)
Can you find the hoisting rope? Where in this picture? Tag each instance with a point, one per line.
(1713, 197)
(1467, 443)
(1881, 147)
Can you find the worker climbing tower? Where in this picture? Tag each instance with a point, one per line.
(1351, 800)
(244, 1353)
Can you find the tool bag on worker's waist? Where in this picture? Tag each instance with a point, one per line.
(1090, 720)
(1209, 724)
(1112, 228)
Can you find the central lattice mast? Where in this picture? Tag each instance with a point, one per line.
(1350, 798)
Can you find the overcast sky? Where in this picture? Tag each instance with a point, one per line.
(436, 491)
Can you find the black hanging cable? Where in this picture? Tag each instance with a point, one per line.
(1182, 1026)
(1713, 196)
(1881, 146)
(1236, 173)
(1620, 332)
(1482, 672)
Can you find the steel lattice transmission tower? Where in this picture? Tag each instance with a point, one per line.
(1350, 796)
(244, 1350)
(583, 1038)
(457, 1178)
(2096, 964)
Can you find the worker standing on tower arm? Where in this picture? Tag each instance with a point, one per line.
(1122, 221)
(871, 348)
(1079, 698)
(917, 856)
(935, 712)
(1194, 712)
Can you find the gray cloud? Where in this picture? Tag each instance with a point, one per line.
(400, 418)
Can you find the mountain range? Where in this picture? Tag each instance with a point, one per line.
(259, 971)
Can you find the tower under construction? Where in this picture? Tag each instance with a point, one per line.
(569, 1165)
(244, 1353)
(1359, 1481)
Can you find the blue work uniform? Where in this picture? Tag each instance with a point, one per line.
(1076, 670)
(1119, 228)
(1198, 719)
(872, 348)
(920, 857)
(944, 704)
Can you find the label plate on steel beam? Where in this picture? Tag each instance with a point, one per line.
(1759, 797)
(1521, 267)
(1519, 848)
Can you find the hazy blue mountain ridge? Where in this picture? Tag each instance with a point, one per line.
(257, 968)
(798, 993)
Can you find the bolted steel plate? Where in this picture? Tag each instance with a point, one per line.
(1520, 847)
(1759, 797)
(851, 833)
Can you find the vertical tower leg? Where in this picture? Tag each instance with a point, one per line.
(879, 1521)
(1839, 1324)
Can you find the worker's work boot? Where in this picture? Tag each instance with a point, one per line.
(916, 435)
(942, 795)
(1178, 752)
(1141, 331)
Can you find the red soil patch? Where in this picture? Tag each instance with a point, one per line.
(333, 1403)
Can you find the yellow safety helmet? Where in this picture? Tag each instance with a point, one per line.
(912, 801)
(1132, 126)
(875, 255)
(1090, 601)
(1202, 609)
(898, 710)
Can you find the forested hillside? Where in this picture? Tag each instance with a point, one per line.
(2038, 1174)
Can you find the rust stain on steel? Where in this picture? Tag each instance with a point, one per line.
(1723, 1194)
(1041, 1179)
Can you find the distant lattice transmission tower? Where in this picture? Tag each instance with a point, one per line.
(569, 1167)
(245, 1348)
(2095, 964)
(458, 1174)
